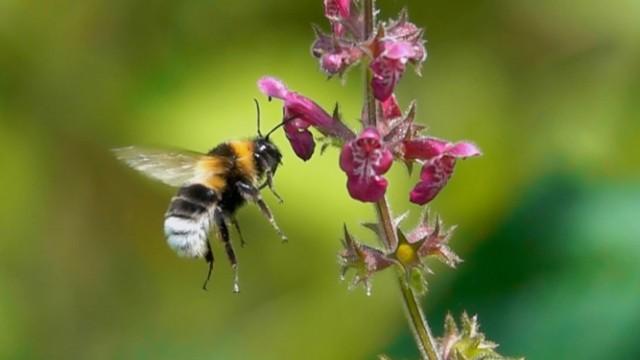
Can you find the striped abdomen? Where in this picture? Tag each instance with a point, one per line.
(188, 220)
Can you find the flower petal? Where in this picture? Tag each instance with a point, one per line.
(368, 189)
(433, 178)
(336, 54)
(296, 105)
(370, 134)
(273, 87)
(395, 46)
(464, 149)
(399, 50)
(424, 148)
(390, 108)
(333, 63)
(301, 139)
(384, 163)
(386, 74)
(346, 158)
(300, 106)
(364, 159)
(306, 112)
(335, 9)
(423, 193)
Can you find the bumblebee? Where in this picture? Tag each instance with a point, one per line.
(211, 188)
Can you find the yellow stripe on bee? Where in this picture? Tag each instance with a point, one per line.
(210, 171)
(217, 183)
(244, 157)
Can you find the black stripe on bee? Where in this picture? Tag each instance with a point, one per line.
(185, 208)
(174, 232)
(223, 150)
(198, 192)
(192, 201)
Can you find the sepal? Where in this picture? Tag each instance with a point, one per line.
(467, 343)
(363, 259)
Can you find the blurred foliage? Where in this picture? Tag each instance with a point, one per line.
(550, 91)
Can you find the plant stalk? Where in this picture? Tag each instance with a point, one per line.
(417, 321)
(421, 330)
(419, 326)
(370, 106)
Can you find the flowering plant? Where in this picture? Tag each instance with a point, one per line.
(388, 135)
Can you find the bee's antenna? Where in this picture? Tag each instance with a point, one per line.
(258, 115)
(286, 120)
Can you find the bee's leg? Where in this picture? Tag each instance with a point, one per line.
(269, 182)
(251, 193)
(209, 258)
(223, 232)
(271, 188)
(235, 224)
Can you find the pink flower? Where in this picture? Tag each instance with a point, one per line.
(296, 105)
(399, 44)
(433, 177)
(365, 159)
(300, 138)
(300, 113)
(336, 55)
(403, 30)
(440, 159)
(388, 68)
(424, 148)
(335, 11)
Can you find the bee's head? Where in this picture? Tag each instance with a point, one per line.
(266, 153)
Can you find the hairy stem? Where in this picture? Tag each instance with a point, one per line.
(369, 26)
(421, 330)
(419, 326)
(417, 321)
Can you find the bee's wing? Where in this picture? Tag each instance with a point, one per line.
(172, 167)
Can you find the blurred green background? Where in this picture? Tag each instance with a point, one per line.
(548, 217)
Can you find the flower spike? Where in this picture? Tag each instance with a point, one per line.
(388, 133)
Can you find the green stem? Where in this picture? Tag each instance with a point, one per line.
(419, 326)
(370, 109)
(417, 321)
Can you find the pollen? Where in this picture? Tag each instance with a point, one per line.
(406, 254)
